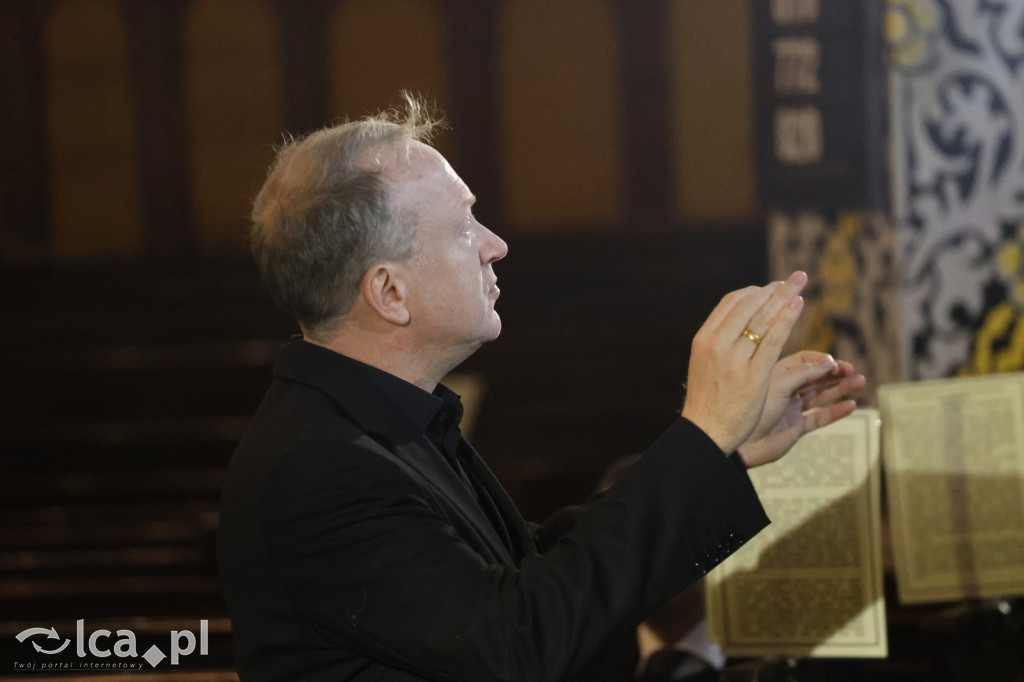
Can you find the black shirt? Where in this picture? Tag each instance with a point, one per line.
(437, 414)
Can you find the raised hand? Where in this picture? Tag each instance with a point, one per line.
(804, 381)
(732, 358)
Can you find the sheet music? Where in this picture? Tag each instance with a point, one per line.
(954, 465)
(811, 583)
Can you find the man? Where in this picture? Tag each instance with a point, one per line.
(362, 538)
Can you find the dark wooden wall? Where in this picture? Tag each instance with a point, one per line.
(137, 339)
(124, 117)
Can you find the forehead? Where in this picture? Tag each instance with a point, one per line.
(416, 168)
(412, 161)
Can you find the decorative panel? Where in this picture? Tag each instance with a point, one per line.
(957, 118)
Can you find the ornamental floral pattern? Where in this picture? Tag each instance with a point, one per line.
(957, 127)
(851, 298)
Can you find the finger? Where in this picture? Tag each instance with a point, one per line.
(760, 317)
(827, 415)
(795, 361)
(732, 315)
(828, 395)
(816, 388)
(843, 369)
(767, 352)
(726, 306)
(801, 371)
(733, 326)
(806, 357)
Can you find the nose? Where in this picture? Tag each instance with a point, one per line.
(492, 248)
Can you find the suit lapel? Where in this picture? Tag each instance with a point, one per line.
(422, 459)
(515, 526)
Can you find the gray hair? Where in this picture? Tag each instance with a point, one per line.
(323, 217)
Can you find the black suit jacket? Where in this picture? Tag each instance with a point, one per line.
(350, 549)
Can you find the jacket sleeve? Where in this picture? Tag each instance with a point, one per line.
(374, 567)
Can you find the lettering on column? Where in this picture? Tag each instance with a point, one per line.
(798, 135)
(792, 12)
(797, 121)
(796, 66)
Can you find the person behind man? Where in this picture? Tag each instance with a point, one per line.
(362, 538)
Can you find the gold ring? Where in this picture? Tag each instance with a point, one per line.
(756, 338)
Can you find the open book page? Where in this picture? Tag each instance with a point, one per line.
(954, 467)
(811, 583)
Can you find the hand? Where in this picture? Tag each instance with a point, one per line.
(729, 371)
(800, 382)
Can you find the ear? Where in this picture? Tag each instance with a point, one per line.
(384, 291)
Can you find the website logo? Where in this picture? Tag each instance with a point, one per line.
(102, 649)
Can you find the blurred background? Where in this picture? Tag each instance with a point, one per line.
(614, 144)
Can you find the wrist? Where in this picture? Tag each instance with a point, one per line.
(720, 437)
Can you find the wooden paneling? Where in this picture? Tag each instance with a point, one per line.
(472, 64)
(234, 114)
(159, 118)
(712, 116)
(91, 123)
(649, 181)
(378, 47)
(154, 39)
(303, 28)
(560, 110)
(24, 163)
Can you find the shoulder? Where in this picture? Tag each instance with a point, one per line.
(302, 444)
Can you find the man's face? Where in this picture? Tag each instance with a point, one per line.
(452, 285)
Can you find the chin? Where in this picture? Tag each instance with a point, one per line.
(495, 327)
(483, 334)
(491, 334)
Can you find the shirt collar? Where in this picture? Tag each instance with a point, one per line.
(423, 409)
